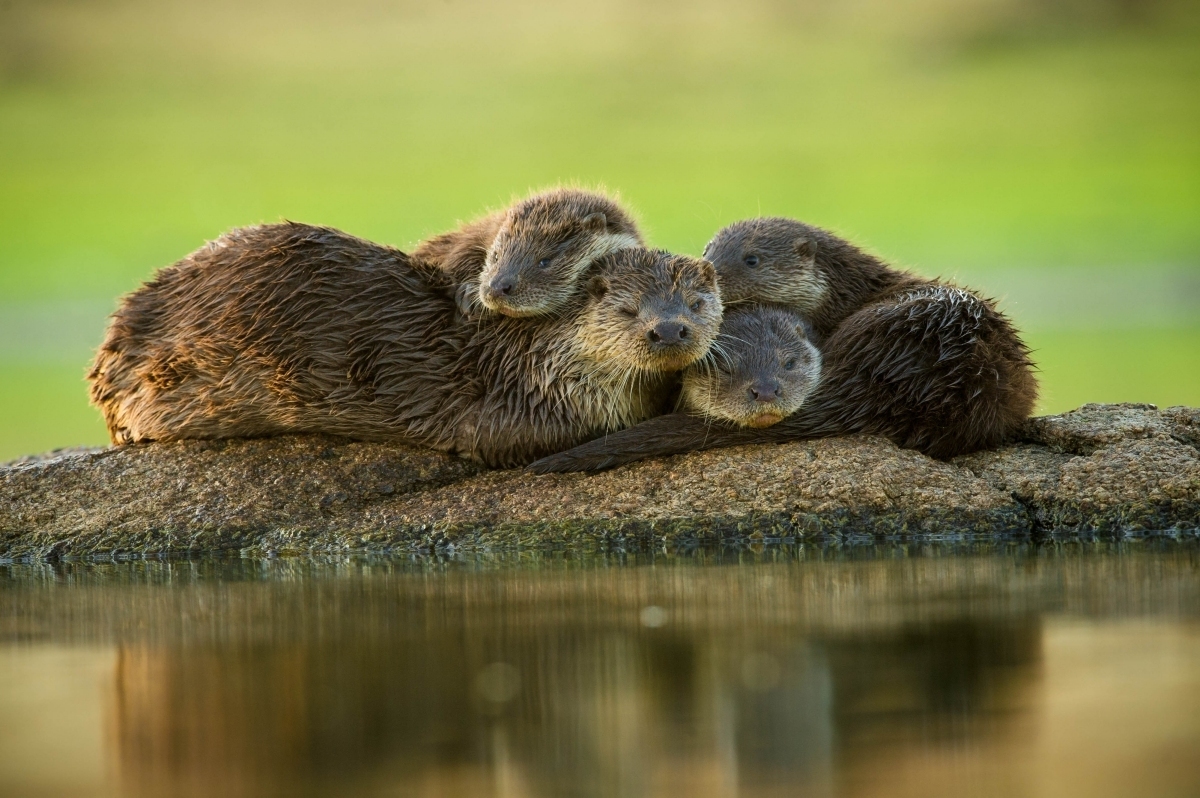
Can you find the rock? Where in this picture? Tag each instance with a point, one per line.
(1091, 427)
(1102, 469)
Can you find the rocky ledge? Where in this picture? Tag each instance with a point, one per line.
(1113, 470)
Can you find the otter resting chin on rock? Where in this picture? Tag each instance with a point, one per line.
(529, 259)
(290, 328)
(930, 366)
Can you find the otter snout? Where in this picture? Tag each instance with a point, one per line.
(500, 286)
(764, 391)
(666, 334)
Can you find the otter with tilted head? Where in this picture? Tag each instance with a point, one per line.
(930, 366)
(528, 259)
(760, 369)
(290, 328)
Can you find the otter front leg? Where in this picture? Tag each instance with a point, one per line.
(466, 299)
(674, 433)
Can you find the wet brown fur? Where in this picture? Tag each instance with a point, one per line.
(292, 328)
(928, 365)
(567, 229)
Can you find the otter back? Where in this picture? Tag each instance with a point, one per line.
(281, 328)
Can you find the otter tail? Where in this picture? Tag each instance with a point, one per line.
(674, 433)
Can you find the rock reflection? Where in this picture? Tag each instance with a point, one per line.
(564, 710)
(271, 719)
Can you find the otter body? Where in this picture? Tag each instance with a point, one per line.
(528, 259)
(291, 328)
(930, 366)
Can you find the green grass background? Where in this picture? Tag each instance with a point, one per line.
(955, 137)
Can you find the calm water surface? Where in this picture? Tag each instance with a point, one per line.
(1025, 670)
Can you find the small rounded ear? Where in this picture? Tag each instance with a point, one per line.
(806, 248)
(708, 272)
(597, 286)
(595, 222)
(806, 328)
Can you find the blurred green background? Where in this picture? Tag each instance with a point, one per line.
(1044, 151)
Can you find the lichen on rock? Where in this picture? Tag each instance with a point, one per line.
(1098, 470)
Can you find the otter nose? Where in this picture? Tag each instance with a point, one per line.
(764, 391)
(501, 286)
(668, 333)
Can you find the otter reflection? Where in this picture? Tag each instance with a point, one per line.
(571, 712)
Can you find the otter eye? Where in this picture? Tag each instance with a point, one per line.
(791, 364)
(544, 263)
(699, 303)
(631, 313)
(750, 260)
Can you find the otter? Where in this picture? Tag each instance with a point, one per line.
(808, 270)
(930, 366)
(760, 369)
(291, 328)
(528, 260)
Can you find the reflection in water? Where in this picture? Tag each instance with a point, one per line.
(565, 712)
(901, 677)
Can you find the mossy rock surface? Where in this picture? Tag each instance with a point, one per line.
(1110, 470)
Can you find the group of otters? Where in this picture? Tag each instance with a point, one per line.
(548, 334)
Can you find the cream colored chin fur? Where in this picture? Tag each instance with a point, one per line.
(620, 398)
(806, 295)
(608, 244)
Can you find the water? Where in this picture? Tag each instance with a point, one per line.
(1013, 669)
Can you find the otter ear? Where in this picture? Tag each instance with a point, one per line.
(708, 272)
(595, 222)
(806, 248)
(805, 329)
(597, 286)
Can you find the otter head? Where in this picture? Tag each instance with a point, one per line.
(649, 311)
(544, 246)
(760, 369)
(770, 260)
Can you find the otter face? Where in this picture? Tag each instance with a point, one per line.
(544, 246)
(649, 310)
(769, 260)
(760, 369)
